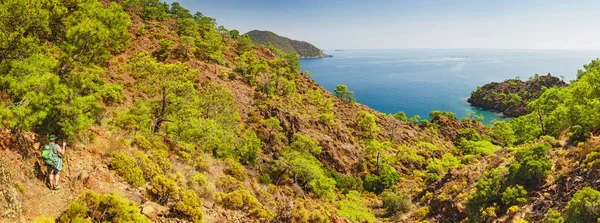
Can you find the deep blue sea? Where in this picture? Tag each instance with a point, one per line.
(418, 81)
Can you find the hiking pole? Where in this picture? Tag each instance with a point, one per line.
(68, 167)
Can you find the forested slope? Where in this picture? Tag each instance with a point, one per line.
(511, 96)
(172, 118)
(302, 48)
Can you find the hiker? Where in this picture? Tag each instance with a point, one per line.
(51, 154)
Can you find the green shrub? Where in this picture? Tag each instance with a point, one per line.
(437, 113)
(515, 195)
(344, 182)
(243, 199)
(301, 214)
(531, 165)
(238, 199)
(150, 9)
(306, 170)
(111, 94)
(127, 168)
(395, 203)
(149, 168)
(321, 186)
(354, 209)
(261, 213)
(199, 182)
(342, 92)
(504, 132)
(327, 118)
(142, 143)
(591, 160)
(265, 178)
(421, 213)
(161, 157)
(165, 49)
(553, 216)
(190, 205)
(476, 147)
(472, 134)
(410, 156)
(387, 178)
(437, 168)
(584, 206)
(20, 188)
(578, 134)
(43, 219)
(138, 118)
(401, 116)
(367, 124)
(235, 169)
(200, 164)
(306, 144)
(250, 149)
(487, 193)
(228, 183)
(102, 208)
(164, 189)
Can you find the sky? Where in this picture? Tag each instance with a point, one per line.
(388, 24)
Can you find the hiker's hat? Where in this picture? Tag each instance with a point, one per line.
(51, 138)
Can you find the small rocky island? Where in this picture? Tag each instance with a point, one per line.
(511, 96)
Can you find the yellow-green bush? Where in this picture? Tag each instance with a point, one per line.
(243, 199)
(190, 205)
(199, 182)
(43, 219)
(149, 168)
(161, 157)
(421, 213)
(127, 168)
(235, 169)
(512, 210)
(228, 184)
(261, 213)
(353, 207)
(164, 188)
(237, 199)
(94, 207)
(200, 164)
(142, 143)
(301, 212)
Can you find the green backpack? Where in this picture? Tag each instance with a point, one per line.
(50, 158)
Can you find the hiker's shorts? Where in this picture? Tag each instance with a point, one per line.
(55, 170)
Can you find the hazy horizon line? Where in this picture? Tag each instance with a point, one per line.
(474, 48)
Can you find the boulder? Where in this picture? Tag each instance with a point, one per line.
(152, 210)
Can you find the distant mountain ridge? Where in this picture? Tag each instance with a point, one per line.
(287, 45)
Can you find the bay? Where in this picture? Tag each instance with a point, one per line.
(418, 81)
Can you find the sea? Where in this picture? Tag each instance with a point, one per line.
(418, 81)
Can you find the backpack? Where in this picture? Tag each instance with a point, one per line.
(50, 158)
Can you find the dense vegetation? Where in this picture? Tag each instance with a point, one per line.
(303, 49)
(511, 96)
(174, 112)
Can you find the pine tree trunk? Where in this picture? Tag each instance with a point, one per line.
(163, 110)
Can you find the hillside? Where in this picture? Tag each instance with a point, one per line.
(171, 118)
(303, 49)
(510, 97)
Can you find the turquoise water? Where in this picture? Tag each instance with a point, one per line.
(418, 81)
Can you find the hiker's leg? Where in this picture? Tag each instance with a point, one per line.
(57, 178)
(50, 178)
(57, 169)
